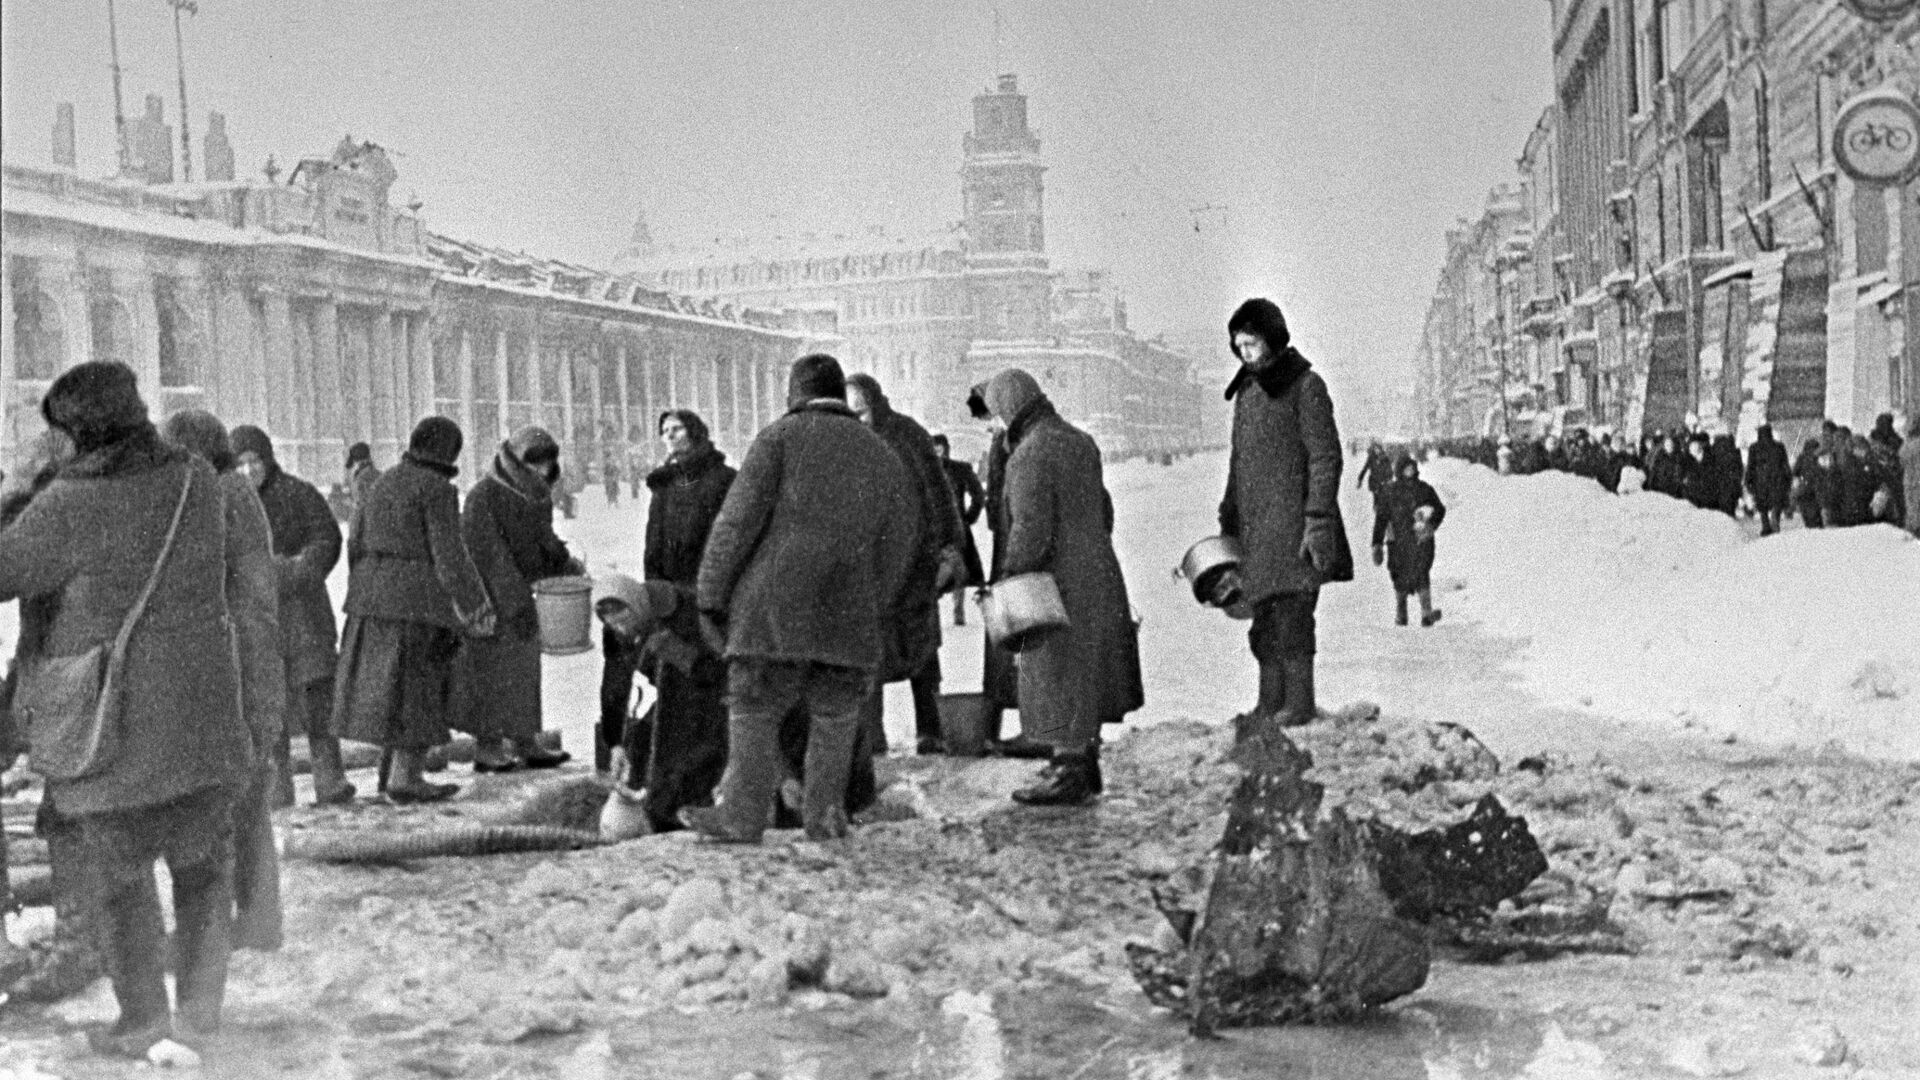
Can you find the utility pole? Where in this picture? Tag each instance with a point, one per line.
(180, 59)
(119, 106)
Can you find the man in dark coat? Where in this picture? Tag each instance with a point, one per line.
(93, 539)
(1723, 461)
(412, 591)
(914, 642)
(1811, 476)
(1282, 503)
(1060, 523)
(805, 561)
(1769, 478)
(306, 547)
(507, 525)
(969, 500)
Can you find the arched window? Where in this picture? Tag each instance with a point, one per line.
(179, 351)
(39, 337)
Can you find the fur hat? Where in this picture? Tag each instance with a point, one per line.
(359, 452)
(200, 432)
(1261, 318)
(816, 375)
(436, 439)
(96, 404)
(532, 445)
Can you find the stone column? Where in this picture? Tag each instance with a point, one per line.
(503, 421)
(623, 384)
(416, 374)
(136, 290)
(476, 440)
(275, 382)
(597, 401)
(328, 410)
(536, 374)
(368, 416)
(673, 377)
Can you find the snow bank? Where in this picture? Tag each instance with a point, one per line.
(1645, 608)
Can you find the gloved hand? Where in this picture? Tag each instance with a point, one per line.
(1226, 589)
(1318, 547)
(1379, 554)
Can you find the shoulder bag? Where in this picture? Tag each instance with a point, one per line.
(70, 706)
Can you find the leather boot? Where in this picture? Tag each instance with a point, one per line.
(1068, 781)
(1300, 707)
(1273, 688)
(330, 786)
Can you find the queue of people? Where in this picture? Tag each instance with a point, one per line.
(1836, 480)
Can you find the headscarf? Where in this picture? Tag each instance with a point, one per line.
(1011, 393)
(200, 432)
(696, 427)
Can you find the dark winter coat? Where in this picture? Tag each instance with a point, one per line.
(1814, 481)
(1060, 522)
(969, 500)
(1851, 491)
(306, 547)
(1409, 556)
(686, 496)
(91, 539)
(1283, 477)
(1699, 483)
(999, 680)
(812, 542)
(914, 622)
(1769, 474)
(253, 601)
(507, 526)
(1723, 461)
(1667, 472)
(406, 560)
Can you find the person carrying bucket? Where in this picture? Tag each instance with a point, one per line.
(508, 527)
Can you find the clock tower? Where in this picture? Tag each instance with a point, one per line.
(1001, 189)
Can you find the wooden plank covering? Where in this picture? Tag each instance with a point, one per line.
(1799, 384)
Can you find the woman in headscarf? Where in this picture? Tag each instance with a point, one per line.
(676, 752)
(1409, 511)
(253, 603)
(1060, 522)
(412, 591)
(131, 517)
(508, 529)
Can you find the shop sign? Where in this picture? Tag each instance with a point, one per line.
(1880, 11)
(1876, 137)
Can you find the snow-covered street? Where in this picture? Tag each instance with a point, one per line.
(1661, 664)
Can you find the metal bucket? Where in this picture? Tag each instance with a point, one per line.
(1023, 609)
(1206, 561)
(963, 724)
(564, 606)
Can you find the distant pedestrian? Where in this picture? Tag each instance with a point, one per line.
(1723, 461)
(1883, 433)
(1283, 504)
(507, 525)
(610, 478)
(969, 499)
(361, 474)
(1811, 477)
(412, 592)
(1411, 511)
(803, 564)
(1769, 478)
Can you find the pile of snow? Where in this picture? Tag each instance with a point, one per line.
(1642, 607)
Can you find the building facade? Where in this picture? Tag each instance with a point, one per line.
(1711, 263)
(321, 312)
(930, 317)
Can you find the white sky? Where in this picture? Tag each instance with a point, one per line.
(1344, 137)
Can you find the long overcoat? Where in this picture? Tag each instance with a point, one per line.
(306, 547)
(811, 544)
(686, 494)
(1409, 556)
(406, 560)
(507, 525)
(1769, 473)
(914, 622)
(1283, 477)
(91, 538)
(1060, 522)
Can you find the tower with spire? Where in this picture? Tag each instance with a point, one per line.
(1004, 215)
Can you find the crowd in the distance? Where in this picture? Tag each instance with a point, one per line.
(1838, 479)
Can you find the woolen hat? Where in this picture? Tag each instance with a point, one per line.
(1261, 318)
(816, 375)
(436, 439)
(198, 431)
(359, 452)
(247, 439)
(95, 403)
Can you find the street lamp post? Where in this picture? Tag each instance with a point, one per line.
(119, 108)
(180, 60)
